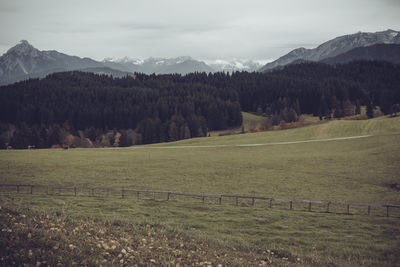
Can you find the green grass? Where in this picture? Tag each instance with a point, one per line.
(241, 232)
(257, 123)
(334, 170)
(250, 122)
(329, 129)
(356, 170)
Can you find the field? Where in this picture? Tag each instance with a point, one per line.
(278, 165)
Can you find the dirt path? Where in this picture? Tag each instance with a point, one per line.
(254, 145)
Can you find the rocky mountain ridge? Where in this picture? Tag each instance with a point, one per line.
(23, 61)
(336, 46)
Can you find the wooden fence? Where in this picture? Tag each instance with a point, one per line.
(387, 210)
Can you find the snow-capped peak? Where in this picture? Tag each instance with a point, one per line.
(393, 33)
(182, 59)
(167, 61)
(124, 60)
(233, 65)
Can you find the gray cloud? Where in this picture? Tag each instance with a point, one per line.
(392, 2)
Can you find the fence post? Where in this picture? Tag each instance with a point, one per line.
(53, 189)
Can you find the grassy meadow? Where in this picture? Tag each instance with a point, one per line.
(350, 170)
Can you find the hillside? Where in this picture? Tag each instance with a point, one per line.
(183, 230)
(227, 157)
(23, 61)
(385, 52)
(336, 46)
(327, 129)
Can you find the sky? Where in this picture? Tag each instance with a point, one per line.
(260, 30)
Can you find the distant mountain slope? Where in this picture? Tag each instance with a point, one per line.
(24, 61)
(336, 47)
(186, 67)
(181, 65)
(386, 52)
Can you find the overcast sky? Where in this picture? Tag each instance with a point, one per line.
(203, 29)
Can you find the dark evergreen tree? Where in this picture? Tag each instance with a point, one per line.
(370, 110)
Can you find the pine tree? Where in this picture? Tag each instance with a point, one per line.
(370, 110)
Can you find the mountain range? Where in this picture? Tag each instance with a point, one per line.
(335, 47)
(182, 65)
(234, 65)
(24, 61)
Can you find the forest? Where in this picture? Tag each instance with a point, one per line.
(79, 109)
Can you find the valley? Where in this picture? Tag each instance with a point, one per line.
(291, 163)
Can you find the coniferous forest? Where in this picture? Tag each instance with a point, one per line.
(78, 109)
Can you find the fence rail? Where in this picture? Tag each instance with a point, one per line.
(387, 210)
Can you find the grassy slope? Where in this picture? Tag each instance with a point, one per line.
(332, 169)
(250, 122)
(335, 128)
(357, 170)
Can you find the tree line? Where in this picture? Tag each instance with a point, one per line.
(85, 109)
(134, 110)
(313, 88)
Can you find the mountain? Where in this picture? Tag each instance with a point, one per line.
(386, 52)
(23, 61)
(336, 47)
(123, 64)
(234, 65)
(181, 65)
